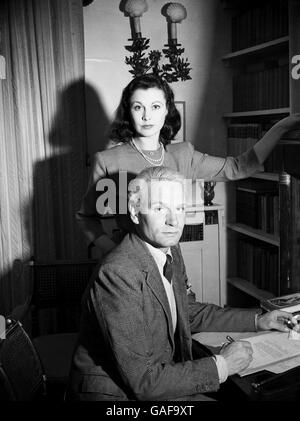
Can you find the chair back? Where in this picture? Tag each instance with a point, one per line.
(57, 291)
(22, 376)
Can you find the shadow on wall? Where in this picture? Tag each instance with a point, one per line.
(96, 120)
(59, 182)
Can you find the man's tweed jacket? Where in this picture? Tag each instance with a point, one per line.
(126, 348)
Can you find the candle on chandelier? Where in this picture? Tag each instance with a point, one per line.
(176, 13)
(135, 9)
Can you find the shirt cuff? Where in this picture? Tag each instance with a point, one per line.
(221, 367)
(256, 321)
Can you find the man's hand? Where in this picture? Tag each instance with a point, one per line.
(238, 356)
(275, 319)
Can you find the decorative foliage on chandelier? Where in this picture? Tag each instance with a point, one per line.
(176, 68)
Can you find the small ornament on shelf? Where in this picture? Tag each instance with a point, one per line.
(209, 192)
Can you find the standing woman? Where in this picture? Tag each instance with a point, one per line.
(146, 122)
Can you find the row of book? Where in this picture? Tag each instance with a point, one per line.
(291, 155)
(257, 130)
(292, 135)
(245, 130)
(258, 209)
(275, 161)
(236, 146)
(260, 24)
(258, 264)
(265, 89)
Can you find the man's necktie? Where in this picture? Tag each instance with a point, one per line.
(168, 268)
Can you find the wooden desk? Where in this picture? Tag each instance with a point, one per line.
(285, 387)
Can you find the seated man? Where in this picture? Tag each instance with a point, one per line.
(138, 313)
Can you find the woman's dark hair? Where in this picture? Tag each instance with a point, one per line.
(122, 129)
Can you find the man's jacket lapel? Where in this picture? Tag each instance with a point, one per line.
(180, 292)
(153, 279)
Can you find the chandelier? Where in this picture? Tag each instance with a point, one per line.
(168, 63)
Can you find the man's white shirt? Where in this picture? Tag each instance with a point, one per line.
(160, 259)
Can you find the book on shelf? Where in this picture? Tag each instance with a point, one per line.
(266, 228)
(260, 24)
(274, 162)
(243, 136)
(257, 205)
(245, 130)
(292, 135)
(237, 146)
(289, 303)
(258, 263)
(267, 88)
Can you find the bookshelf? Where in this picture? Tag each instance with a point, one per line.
(249, 288)
(254, 233)
(258, 50)
(254, 113)
(263, 212)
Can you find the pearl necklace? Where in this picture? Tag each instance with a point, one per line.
(152, 161)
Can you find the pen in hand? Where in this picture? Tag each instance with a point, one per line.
(289, 324)
(230, 339)
(292, 324)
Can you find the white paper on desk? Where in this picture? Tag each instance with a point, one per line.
(283, 366)
(270, 348)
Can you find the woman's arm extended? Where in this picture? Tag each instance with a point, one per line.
(266, 144)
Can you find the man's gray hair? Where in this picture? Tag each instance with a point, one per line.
(146, 176)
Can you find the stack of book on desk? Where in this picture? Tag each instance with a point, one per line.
(289, 303)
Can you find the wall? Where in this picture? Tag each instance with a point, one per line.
(107, 31)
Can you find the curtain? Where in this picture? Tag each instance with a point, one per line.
(42, 138)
